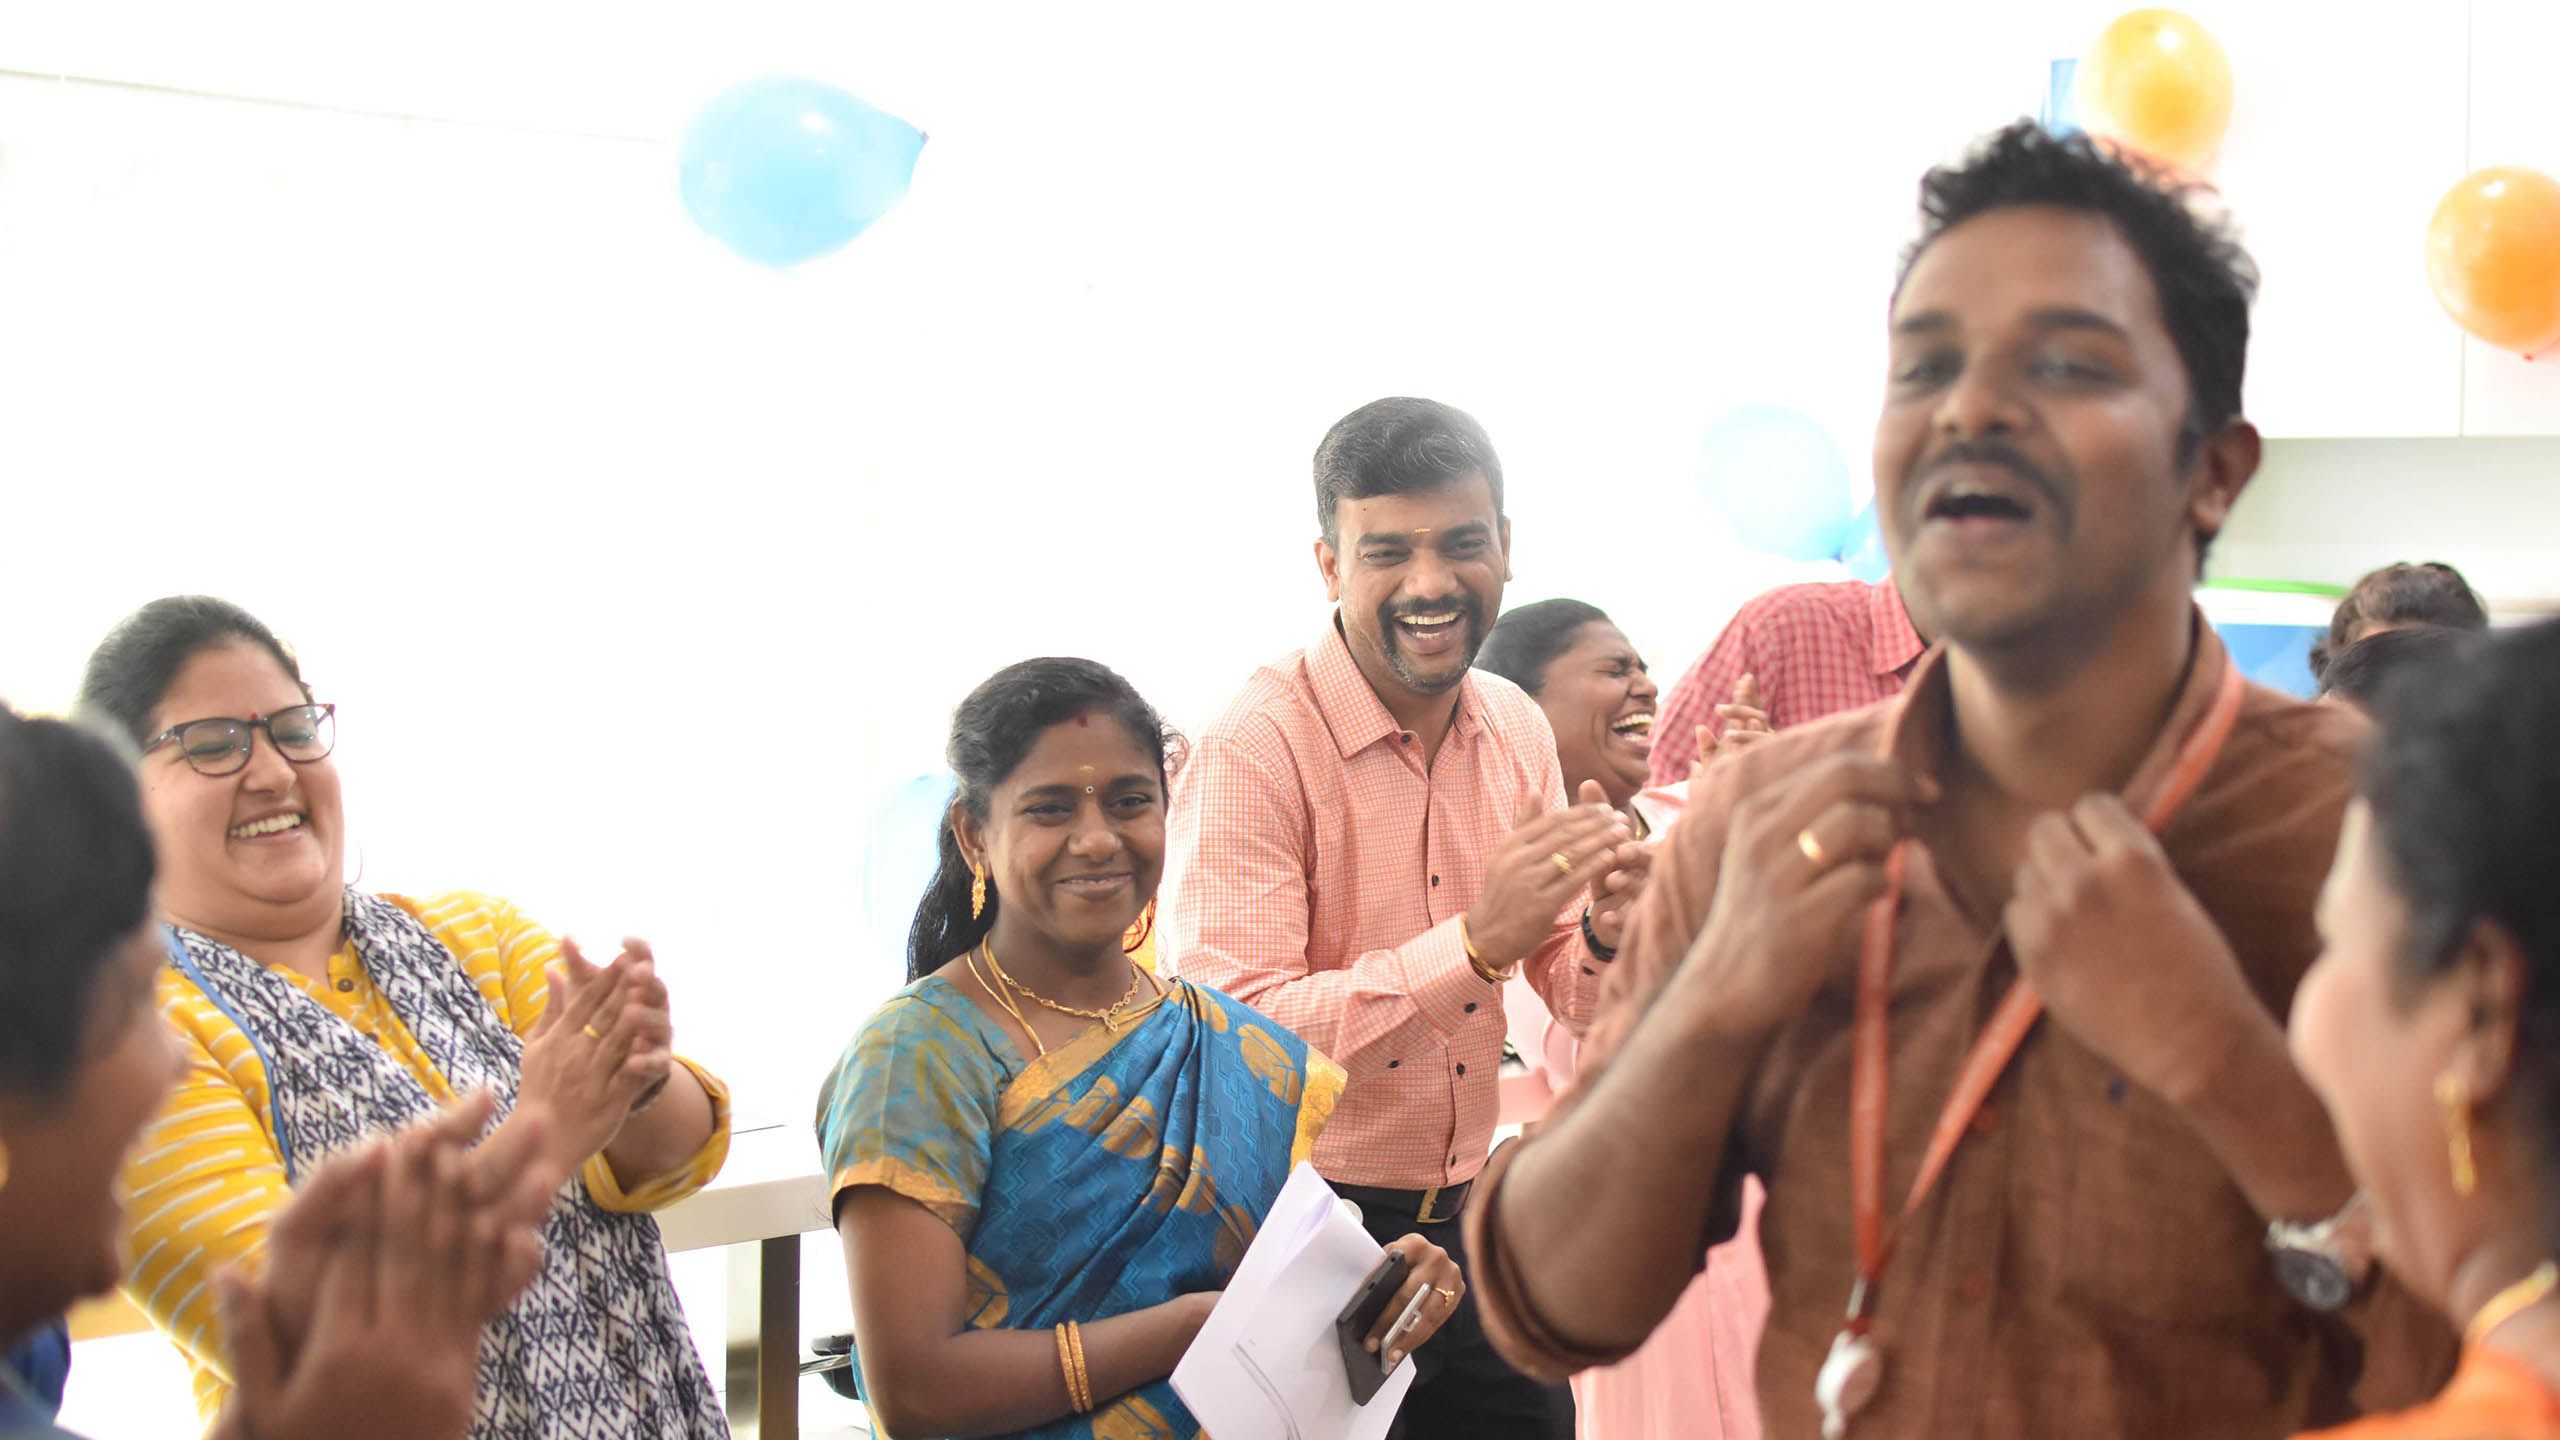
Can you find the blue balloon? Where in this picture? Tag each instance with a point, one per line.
(784, 170)
(901, 851)
(1864, 551)
(1775, 476)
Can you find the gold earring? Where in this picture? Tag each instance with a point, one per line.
(2455, 1097)
(977, 891)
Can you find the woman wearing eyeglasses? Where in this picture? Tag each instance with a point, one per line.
(314, 1014)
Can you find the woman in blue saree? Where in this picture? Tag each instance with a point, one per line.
(1046, 1161)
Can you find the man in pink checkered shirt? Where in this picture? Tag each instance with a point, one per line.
(1374, 838)
(1813, 650)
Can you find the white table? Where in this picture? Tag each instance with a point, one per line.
(765, 1198)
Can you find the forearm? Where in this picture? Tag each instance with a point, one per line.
(2258, 1116)
(1567, 975)
(1385, 1001)
(669, 1132)
(1602, 1215)
(996, 1382)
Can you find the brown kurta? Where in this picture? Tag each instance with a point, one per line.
(2085, 1266)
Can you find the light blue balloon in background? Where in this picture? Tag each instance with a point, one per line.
(783, 170)
(1864, 551)
(901, 850)
(1775, 476)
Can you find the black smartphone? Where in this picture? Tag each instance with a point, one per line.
(1351, 1327)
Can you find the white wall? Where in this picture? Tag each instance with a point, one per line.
(639, 572)
(2330, 510)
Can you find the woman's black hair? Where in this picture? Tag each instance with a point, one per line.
(75, 879)
(2428, 593)
(2360, 672)
(2463, 782)
(1528, 638)
(132, 669)
(990, 734)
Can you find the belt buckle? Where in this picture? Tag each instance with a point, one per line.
(1423, 1215)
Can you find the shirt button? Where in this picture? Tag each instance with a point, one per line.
(1393, 1064)
(346, 984)
(1462, 1067)
(1471, 1007)
(1435, 879)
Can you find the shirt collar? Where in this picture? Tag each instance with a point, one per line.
(1916, 732)
(1892, 641)
(1352, 710)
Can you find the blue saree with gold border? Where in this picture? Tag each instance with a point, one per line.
(1120, 1171)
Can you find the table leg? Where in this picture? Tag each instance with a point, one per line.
(764, 1339)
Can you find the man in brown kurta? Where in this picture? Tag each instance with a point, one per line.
(2053, 455)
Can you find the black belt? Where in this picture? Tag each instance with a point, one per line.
(1436, 1206)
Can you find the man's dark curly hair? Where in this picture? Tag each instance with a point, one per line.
(2205, 279)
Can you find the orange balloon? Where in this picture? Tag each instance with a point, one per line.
(2493, 256)
(2158, 83)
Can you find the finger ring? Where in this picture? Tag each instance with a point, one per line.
(1807, 842)
(1563, 866)
(590, 1032)
(1449, 1295)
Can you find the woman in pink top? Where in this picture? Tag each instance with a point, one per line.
(1693, 1378)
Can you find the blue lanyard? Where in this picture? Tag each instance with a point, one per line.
(186, 963)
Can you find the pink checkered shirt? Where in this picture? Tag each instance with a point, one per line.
(1317, 872)
(1816, 650)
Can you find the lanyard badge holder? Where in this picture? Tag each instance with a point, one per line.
(1854, 1370)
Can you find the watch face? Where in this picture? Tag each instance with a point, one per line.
(2313, 1278)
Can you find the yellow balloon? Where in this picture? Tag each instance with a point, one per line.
(2493, 256)
(2157, 83)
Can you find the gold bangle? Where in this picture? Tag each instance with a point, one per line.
(1067, 1370)
(1084, 1377)
(1484, 972)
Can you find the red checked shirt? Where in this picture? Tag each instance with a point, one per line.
(1815, 649)
(1317, 871)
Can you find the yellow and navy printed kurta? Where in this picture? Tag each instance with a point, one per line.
(209, 1174)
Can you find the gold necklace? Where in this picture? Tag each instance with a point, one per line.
(1038, 1050)
(2504, 1306)
(1110, 1016)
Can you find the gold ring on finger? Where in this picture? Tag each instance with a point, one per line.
(590, 1032)
(1449, 1295)
(1811, 845)
(1564, 866)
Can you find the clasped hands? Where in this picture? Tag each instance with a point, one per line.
(2122, 954)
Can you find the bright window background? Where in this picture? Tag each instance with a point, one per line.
(640, 574)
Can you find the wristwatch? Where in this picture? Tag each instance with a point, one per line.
(2323, 1265)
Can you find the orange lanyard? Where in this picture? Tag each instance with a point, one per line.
(1992, 1050)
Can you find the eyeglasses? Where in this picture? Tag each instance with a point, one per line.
(220, 746)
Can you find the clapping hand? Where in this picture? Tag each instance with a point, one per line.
(1746, 723)
(1549, 856)
(380, 1275)
(600, 1049)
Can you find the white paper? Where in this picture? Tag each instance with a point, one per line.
(1267, 1366)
